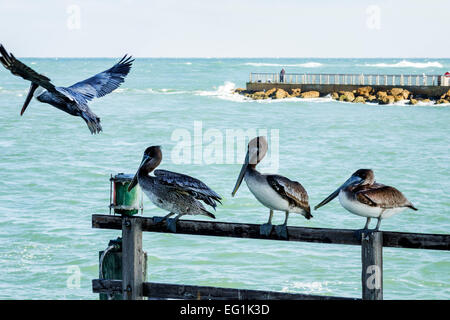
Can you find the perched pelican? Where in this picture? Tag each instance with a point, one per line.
(74, 99)
(361, 195)
(273, 191)
(177, 193)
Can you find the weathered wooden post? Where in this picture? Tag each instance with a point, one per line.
(372, 265)
(133, 261)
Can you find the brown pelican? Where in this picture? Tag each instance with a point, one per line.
(361, 195)
(177, 193)
(74, 99)
(273, 191)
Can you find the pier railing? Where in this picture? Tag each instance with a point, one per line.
(133, 262)
(351, 79)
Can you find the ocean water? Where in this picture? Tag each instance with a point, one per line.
(55, 175)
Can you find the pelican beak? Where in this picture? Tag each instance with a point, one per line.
(350, 181)
(134, 181)
(33, 88)
(241, 175)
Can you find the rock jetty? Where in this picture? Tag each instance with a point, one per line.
(360, 95)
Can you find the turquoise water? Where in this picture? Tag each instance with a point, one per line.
(55, 175)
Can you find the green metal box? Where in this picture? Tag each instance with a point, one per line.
(122, 201)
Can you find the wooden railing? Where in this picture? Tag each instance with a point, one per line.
(350, 79)
(133, 286)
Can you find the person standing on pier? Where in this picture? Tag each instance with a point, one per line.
(282, 75)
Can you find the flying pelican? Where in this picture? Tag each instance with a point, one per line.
(177, 193)
(74, 99)
(361, 195)
(273, 191)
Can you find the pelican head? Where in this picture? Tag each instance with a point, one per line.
(35, 91)
(151, 159)
(358, 178)
(257, 149)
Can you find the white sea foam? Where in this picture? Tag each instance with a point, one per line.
(151, 91)
(431, 103)
(406, 103)
(188, 63)
(17, 92)
(6, 143)
(310, 287)
(406, 64)
(304, 65)
(294, 100)
(224, 91)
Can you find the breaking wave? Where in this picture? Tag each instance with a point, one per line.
(224, 91)
(407, 64)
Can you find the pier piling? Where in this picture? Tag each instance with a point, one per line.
(372, 265)
(133, 260)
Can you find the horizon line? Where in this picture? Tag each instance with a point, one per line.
(218, 57)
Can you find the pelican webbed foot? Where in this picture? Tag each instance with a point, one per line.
(281, 231)
(359, 233)
(265, 229)
(365, 230)
(172, 223)
(158, 220)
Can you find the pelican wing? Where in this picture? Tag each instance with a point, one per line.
(290, 190)
(20, 69)
(105, 82)
(383, 196)
(184, 183)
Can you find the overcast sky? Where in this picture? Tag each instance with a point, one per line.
(227, 28)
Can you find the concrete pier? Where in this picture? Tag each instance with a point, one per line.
(433, 92)
(429, 86)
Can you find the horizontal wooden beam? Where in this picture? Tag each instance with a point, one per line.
(251, 231)
(175, 291)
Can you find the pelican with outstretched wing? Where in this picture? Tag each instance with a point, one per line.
(177, 193)
(74, 99)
